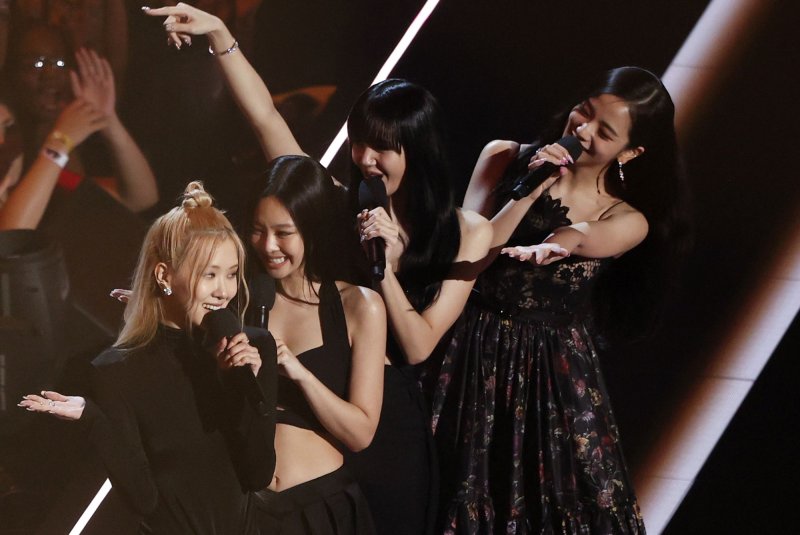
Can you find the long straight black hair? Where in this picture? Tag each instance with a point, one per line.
(629, 297)
(399, 115)
(318, 209)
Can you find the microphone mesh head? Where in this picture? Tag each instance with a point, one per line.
(262, 290)
(372, 194)
(220, 324)
(572, 144)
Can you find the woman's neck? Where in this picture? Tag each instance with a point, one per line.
(297, 287)
(585, 180)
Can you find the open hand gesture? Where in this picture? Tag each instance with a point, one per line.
(63, 407)
(94, 81)
(541, 255)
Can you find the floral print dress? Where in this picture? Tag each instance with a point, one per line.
(526, 435)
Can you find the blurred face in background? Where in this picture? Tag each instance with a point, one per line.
(41, 74)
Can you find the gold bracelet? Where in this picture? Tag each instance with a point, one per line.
(58, 135)
(234, 47)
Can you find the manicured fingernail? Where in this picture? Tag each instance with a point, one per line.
(570, 159)
(145, 8)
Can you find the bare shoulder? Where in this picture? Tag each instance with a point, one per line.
(501, 146)
(476, 234)
(360, 303)
(625, 214)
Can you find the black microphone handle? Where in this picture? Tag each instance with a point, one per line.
(263, 317)
(224, 324)
(525, 185)
(376, 253)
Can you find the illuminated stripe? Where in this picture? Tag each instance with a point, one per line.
(686, 442)
(95, 503)
(384, 72)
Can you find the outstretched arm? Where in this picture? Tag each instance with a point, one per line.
(622, 230)
(247, 87)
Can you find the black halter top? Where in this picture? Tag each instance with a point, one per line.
(330, 363)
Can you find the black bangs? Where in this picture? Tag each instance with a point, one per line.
(381, 133)
(386, 113)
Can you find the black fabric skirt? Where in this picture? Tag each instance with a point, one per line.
(398, 472)
(328, 505)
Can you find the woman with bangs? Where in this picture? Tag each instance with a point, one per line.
(432, 255)
(176, 435)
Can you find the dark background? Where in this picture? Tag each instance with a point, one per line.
(501, 69)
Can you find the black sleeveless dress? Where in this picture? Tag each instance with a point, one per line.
(398, 472)
(331, 504)
(526, 435)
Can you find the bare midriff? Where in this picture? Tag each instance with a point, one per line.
(300, 456)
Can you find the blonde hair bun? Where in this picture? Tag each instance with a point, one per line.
(195, 196)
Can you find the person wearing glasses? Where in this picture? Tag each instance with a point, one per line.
(57, 110)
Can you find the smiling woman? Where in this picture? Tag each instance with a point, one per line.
(531, 445)
(170, 423)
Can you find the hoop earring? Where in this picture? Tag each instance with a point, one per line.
(621, 174)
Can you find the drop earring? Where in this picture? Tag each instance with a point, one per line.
(621, 174)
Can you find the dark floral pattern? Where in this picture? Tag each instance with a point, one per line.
(526, 434)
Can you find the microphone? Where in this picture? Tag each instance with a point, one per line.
(262, 293)
(523, 186)
(372, 194)
(220, 324)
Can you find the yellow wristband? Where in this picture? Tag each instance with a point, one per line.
(58, 135)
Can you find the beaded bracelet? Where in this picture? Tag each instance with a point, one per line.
(234, 47)
(58, 158)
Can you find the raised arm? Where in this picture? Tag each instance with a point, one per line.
(27, 202)
(419, 333)
(94, 82)
(352, 421)
(247, 87)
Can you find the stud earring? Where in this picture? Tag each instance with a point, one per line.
(167, 290)
(621, 174)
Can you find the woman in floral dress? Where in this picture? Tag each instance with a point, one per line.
(526, 434)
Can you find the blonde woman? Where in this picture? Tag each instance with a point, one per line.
(174, 432)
